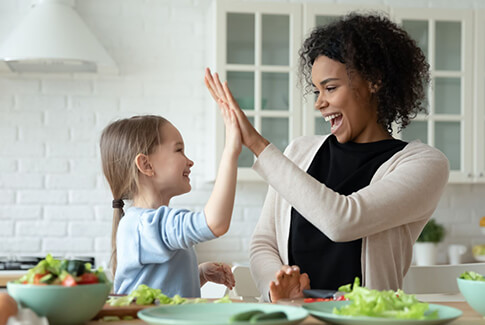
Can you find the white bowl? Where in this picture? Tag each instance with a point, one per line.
(479, 258)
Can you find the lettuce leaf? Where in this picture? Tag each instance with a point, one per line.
(384, 304)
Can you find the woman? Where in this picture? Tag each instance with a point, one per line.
(354, 202)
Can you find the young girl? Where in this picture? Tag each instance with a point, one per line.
(144, 161)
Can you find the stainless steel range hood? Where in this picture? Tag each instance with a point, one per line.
(53, 38)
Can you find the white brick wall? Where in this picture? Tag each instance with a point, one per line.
(53, 197)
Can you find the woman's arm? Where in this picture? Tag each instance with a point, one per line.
(406, 191)
(264, 255)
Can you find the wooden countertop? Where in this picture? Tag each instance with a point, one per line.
(469, 317)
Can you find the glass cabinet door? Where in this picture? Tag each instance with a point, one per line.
(258, 59)
(445, 38)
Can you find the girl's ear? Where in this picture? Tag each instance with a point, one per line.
(143, 164)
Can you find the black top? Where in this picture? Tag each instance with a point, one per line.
(344, 168)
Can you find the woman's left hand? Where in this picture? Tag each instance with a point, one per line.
(289, 284)
(216, 272)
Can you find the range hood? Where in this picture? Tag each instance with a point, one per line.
(53, 39)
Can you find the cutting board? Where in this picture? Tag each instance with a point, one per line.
(121, 311)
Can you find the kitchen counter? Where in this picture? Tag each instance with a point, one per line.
(469, 317)
(7, 276)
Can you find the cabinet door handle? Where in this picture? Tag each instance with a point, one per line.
(470, 175)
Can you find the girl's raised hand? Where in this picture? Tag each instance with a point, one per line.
(233, 133)
(222, 95)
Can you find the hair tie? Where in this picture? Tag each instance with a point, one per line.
(118, 204)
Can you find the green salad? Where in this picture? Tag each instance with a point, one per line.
(68, 273)
(384, 304)
(470, 275)
(144, 295)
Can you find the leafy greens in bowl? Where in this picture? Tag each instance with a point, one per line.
(472, 287)
(383, 304)
(65, 291)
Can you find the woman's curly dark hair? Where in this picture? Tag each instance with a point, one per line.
(382, 53)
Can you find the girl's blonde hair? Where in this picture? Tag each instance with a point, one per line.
(120, 143)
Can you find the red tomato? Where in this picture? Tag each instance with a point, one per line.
(69, 281)
(37, 278)
(88, 278)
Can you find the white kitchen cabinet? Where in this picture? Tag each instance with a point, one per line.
(479, 98)
(257, 52)
(446, 37)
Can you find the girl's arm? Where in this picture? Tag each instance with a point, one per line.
(218, 210)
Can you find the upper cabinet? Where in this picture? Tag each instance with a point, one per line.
(479, 97)
(257, 48)
(446, 38)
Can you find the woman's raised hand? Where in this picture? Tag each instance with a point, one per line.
(223, 96)
(289, 284)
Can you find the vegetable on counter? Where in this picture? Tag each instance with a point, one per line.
(384, 304)
(68, 273)
(144, 295)
(470, 275)
(256, 316)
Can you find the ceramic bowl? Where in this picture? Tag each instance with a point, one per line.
(474, 293)
(479, 252)
(62, 305)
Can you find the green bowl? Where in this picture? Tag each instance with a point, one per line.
(62, 305)
(474, 293)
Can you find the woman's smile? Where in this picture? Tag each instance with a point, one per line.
(335, 121)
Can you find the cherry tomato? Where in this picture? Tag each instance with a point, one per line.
(37, 278)
(88, 278)
(69, 281)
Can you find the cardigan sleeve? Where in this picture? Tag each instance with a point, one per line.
(405, 189)
(264, 255)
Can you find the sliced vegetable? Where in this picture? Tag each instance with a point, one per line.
(470, 275)
(69, 281)
(38, 277)
(277, 315)
(75, 267)
(244, 316)
(62, 272)
(144, 295)
(384, 304)
(88, 278)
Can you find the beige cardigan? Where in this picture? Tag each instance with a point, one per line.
(388, 214)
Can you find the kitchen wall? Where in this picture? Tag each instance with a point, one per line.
(53, 197)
